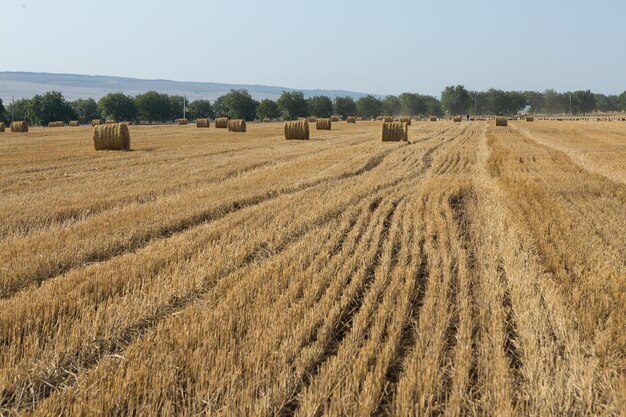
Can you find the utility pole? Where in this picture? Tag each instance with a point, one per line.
(570, 104)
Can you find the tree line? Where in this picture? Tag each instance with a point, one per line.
(153, 106)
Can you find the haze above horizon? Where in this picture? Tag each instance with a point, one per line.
(358, 46)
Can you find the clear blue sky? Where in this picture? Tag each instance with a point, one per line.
(369, 46)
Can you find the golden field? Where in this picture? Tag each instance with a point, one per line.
(474, 270)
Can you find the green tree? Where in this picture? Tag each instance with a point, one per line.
(554, 102)
(369, 106)
(118, 106)
(20, 110)
(267, 109)
(3, 117)
(320, 106)
(292, 105)
(237, 104)
(345, 106)
(50, 107)
(456, 100)
(391, 105)
(622, 101)
(86, 109)
(433, 106)
(176, 107)
(503, 102)
(412, 104)
(583, 101)
(535, 100)
(153, 106)
(201, 109)
(606, 103)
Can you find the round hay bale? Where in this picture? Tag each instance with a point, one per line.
(457, 119)
(203, 123)
(502, 121)
(387, 119)
(97, 122)
(530, 119)
(74, 123)
(237, 125)
(2, 127)
(406, 120)
(19, 127)
(113, 137)
(432, 118)
(56, 124)
(334, 119)
(323, 124)
(351, 119)
(297, 129)
(395, 132)
(221, 123)
(182, 122)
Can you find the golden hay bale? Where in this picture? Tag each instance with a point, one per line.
(432, 118)
(406, 120)
(96, 122)
(56, 124)
(221, 123)
(19, 127)
(457, 119)
(351, 119)
(323, 124)
(2, 127)
(395, 132)
(297, 129)
(203, 123)
(182, 122)
(334, 118)
(113, 137)
(502, 121)
(237, 125)
(74, 123)
(387, 119)
(530, 119)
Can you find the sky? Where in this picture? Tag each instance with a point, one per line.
(365, 46)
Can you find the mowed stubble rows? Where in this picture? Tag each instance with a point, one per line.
(471, 271)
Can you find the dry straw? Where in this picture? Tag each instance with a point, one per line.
(395, 132)
(203, 123)
(297, 129)
(323, 124)
(406, 120)
(221, 123)
(432, 118)
(74, 123)
(351, 119)
(19, 127)
(97, 122)
(237, 125)
(182, 122)
(502, 121)
(2, 127)
(530, 119)
(113, 137)
(458, 119)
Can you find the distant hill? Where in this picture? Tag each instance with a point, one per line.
(73, 86)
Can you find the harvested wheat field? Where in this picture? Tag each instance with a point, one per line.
(472, 270)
